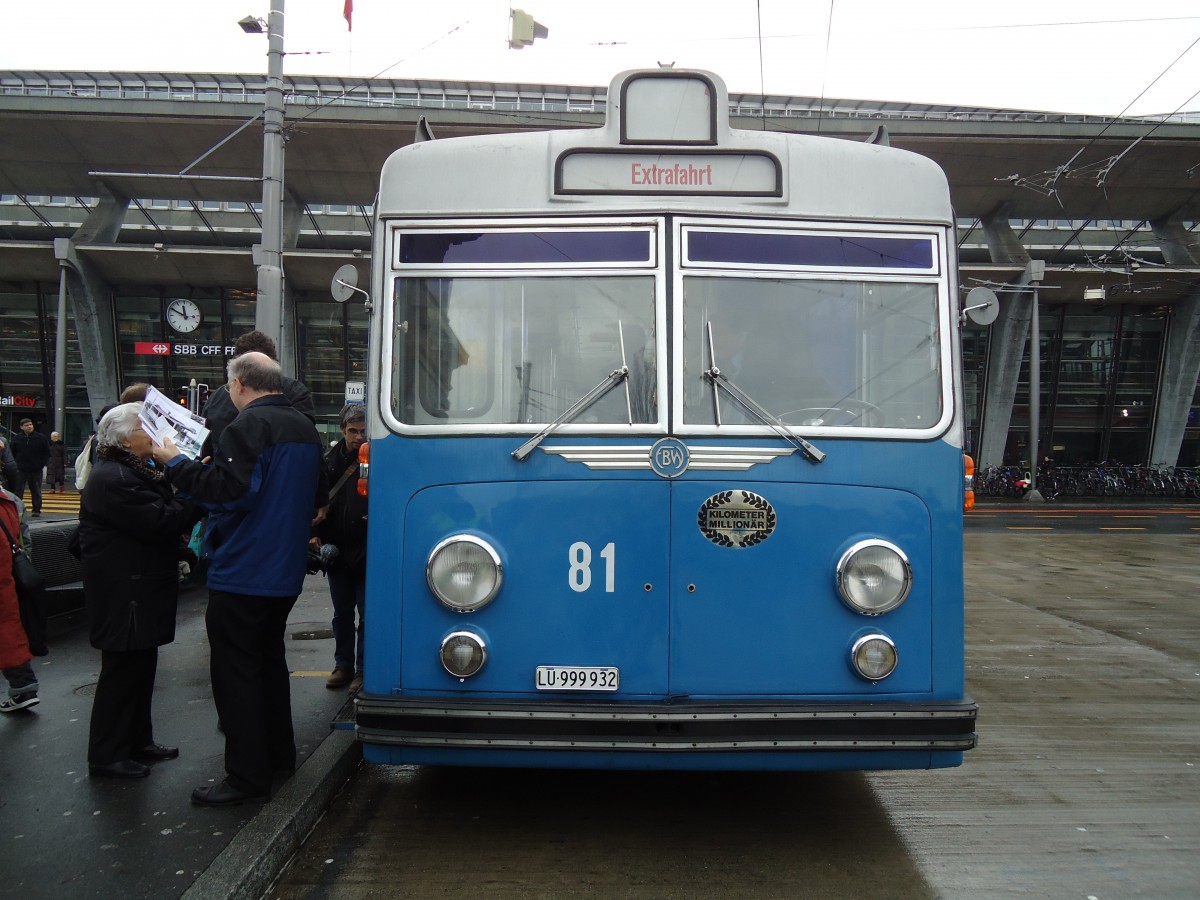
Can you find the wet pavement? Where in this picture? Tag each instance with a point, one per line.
(65, 834)
(1081, 653)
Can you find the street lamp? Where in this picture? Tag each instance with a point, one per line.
(268, 255)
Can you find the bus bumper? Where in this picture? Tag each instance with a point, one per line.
(677, 727)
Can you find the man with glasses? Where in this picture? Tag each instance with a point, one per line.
(345, 527)
(263, 487)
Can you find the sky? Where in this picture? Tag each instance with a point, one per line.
(1103, 57)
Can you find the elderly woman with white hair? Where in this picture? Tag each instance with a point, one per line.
(130, 523)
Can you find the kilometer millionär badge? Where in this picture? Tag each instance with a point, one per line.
(736, 519)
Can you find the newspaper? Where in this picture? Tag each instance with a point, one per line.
(163, 417)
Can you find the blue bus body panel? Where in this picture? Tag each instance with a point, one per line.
(783, 588)
(767, 619)
(537, 618)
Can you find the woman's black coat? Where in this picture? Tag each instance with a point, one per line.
(129, 531)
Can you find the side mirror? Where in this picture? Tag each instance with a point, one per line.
(345, 285)
(981, 306)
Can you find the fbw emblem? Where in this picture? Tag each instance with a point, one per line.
(669, 457)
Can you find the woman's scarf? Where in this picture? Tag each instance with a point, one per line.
(140, 467)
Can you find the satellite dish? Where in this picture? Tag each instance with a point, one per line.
(982, 306)
(345, 283)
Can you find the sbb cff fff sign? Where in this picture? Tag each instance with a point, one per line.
(164, 348)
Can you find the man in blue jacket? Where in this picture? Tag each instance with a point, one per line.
(263, 490)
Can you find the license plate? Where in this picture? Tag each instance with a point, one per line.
(577, 678)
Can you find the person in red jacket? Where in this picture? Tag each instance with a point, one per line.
(14, 646)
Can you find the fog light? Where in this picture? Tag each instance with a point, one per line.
(874, 656)
(463, 653)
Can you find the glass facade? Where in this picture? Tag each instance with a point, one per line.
(1099, 382)
(331, 346)
(1100, 370)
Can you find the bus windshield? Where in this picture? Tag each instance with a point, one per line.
(812, 352)
(520, 350)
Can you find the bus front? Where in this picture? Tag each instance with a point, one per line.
(664, 482)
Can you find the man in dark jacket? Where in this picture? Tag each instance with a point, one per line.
(262, 489)
(9, 473)
(345, 527)
(220, 411)
(31, 450)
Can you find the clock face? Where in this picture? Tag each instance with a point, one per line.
(183, 315)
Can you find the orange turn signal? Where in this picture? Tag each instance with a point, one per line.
(364, 467)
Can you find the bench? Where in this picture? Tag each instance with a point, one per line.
(61, 570)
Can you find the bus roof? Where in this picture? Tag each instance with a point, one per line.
(666, 145)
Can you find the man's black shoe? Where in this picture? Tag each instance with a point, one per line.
(154, 752)
(125, 768)
(222, 794)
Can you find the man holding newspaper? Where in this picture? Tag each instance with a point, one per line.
(264, 489)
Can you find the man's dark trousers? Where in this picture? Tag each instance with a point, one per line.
(32, 480)
(251, 686)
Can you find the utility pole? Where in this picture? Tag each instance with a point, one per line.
(269, 308)
(1035, 271)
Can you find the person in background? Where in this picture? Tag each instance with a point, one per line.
(31, 450)
(130, 522)
(134, 393)
(345, 527)
(262, 490)
(15, 658)
(220, 410)
(56, 466)
(9, 473)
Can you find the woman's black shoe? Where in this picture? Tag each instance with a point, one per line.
(125, 768)
(155, 752)
(223, 794)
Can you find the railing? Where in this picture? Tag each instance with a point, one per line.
(386, 92)
(1092, 481)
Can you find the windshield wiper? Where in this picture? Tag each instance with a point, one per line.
(615, 377)
(744, 400)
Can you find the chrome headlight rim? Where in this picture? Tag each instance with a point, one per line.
(478, 542)
(472, 637)
(843, 569)
(858, 646)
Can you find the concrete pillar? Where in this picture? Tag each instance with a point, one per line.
(91, 301)
(1006, 345)
(95, 326)
(293, 213)
(1181, 356)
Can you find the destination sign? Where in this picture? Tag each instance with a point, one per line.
(639, 172)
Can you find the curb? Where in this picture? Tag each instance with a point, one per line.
(257, 854)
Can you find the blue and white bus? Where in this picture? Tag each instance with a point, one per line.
(666, 449)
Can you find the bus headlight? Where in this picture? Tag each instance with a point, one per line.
(464, 572)
(463, 653)
(874, 656)
(874, 577)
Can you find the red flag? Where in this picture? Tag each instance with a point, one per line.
(348, 11)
